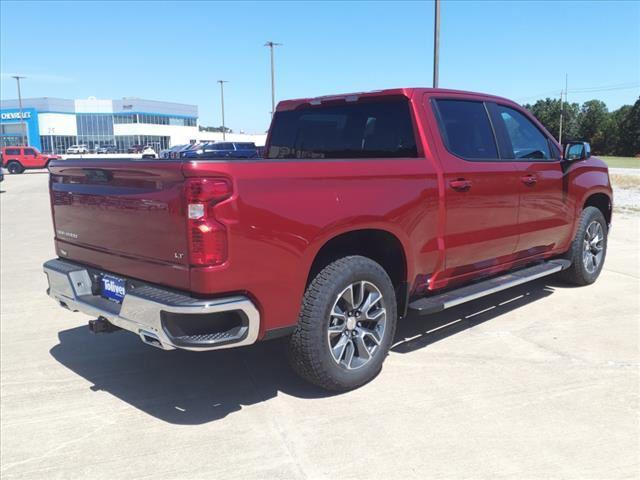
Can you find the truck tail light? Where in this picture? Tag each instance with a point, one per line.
(207, 236)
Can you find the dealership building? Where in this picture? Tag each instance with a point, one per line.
(53, 124)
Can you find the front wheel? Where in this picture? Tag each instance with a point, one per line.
(346, 325)
(588, 249)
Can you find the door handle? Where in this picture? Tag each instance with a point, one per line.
(460, 185)
(529, 180)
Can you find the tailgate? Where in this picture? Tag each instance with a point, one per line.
(124, 216)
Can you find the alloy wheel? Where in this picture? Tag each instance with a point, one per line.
(357, 324)
(593, 246)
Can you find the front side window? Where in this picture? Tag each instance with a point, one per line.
(29, 151)
(527, 141)
(466, 129)
(369, 129)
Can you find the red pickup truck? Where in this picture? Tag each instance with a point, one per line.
(18, 159)
(365, 207)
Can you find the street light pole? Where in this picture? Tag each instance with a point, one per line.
(222, 82)
(22, 124)
(436, 43)
(271, 44)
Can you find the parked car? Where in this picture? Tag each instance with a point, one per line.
(148, 152)
(166, 153)
(106, 149)
(77, 149)
(135, 149)
(19, 159)
(177, 153)
(365, 208)
(223, 150)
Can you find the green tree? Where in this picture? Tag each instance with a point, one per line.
(547, 111)
(594, 125)
(615, 134)
(215, 129)
(629, 132)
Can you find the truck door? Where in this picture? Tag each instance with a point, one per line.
(545, 216)
(481, 191)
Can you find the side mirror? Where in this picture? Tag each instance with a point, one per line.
(575, 151)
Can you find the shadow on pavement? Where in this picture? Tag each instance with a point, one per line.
(178, 386)
(192, 388)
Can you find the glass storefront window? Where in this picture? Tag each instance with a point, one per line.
(57, 144)
(153, 119)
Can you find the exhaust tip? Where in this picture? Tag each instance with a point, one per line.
(151, 339)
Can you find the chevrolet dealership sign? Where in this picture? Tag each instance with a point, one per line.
(15, 115)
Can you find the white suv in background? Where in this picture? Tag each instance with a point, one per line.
(149, 152)
(77, 149)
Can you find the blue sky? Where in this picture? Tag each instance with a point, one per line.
(176, 51)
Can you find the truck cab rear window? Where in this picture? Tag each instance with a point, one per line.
(381, 129)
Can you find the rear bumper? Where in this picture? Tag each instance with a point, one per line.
(161, 317)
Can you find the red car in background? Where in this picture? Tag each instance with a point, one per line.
(19, 159)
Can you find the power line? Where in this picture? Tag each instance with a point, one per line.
(619, 86)
(604, 88)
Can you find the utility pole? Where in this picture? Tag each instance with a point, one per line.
(22, 124)
(436, 43)
(566, 83)
(222, 82)
(271, 44)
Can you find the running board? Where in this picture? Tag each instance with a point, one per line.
(439, 302)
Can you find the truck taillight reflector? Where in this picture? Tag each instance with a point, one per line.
(207, 236)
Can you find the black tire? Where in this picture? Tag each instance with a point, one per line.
(582, 272)
(14, 167)
(309, 349)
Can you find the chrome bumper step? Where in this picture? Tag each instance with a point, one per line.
(147, 310)
(442, 301)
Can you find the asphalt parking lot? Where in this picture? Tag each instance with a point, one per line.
(540, 381)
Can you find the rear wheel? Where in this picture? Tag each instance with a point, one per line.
(346, 325)
(588, 249)
(15, 167)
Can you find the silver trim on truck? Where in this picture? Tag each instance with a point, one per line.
(140, 312)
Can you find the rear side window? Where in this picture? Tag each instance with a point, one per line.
(527, 141)
(12, 151)
(466, 129)
(376, 129)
